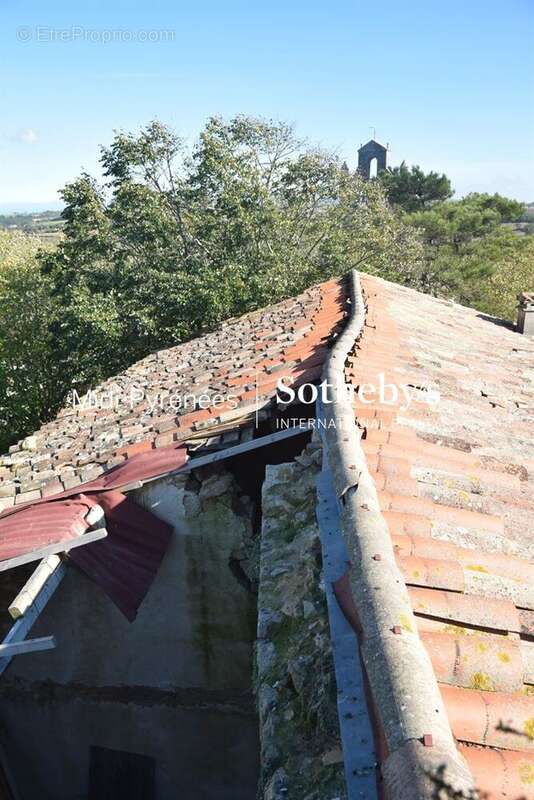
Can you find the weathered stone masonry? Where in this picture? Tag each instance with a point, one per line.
(296, 690)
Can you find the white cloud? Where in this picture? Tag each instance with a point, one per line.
(27, 136)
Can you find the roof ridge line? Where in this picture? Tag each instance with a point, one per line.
(403, 685)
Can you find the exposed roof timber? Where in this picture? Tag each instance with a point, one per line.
(27, 646)
(22, 626)
(33, 586)
(230, 452)
(247, 416)
(245, 447)
(39, 588)
(243, 424)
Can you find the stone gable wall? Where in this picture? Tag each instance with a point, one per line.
(295, 682)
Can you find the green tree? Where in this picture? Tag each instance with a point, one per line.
(461, 240)
(413, 190)
(511, 259)
(29, 385)
(171, 242)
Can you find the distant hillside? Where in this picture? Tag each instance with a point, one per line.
(47, 225)
(525, 223)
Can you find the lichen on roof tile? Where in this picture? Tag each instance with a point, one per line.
(174, 393)
(455, 480)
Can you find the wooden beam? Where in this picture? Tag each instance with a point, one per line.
(40, 587)
(23, 625)
(230, 452)
(245, 447)
(95, 517)
(27, 646)
(33, 586)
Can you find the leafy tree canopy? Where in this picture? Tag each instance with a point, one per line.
(512, 271)
(413, 190)
(464, 241)
(29, 387)
(459, 221)
(172, 241)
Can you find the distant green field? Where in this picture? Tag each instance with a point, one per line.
(46, 225)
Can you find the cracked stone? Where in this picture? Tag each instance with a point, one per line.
(215, 486)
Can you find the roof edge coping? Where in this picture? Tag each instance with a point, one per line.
(403, 685)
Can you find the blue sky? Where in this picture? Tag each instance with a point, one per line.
(448, 84)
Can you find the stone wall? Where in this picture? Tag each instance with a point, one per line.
(176, 684)
(367, 153)
(295, 683)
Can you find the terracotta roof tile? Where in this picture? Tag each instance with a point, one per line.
(241, 362)
(501, 773)
(461, 609)
(490, 663)
(455, 481)
(497, 719)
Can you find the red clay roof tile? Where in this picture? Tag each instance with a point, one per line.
(456, 488)
(501, 773)
(462, 609)
(436, 573)
(241, 359)
(497, 719)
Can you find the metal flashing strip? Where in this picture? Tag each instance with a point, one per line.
(357, 739)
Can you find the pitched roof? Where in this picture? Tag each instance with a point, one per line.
(372, 144)
(49, 480)
(231, 371)
(455, 483)
(455, 478)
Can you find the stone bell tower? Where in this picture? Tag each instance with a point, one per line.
(367, 153)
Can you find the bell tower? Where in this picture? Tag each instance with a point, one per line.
(367, 153)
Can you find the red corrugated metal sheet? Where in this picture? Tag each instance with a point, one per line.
(40, 526)
(139, 467)
(125, 563)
